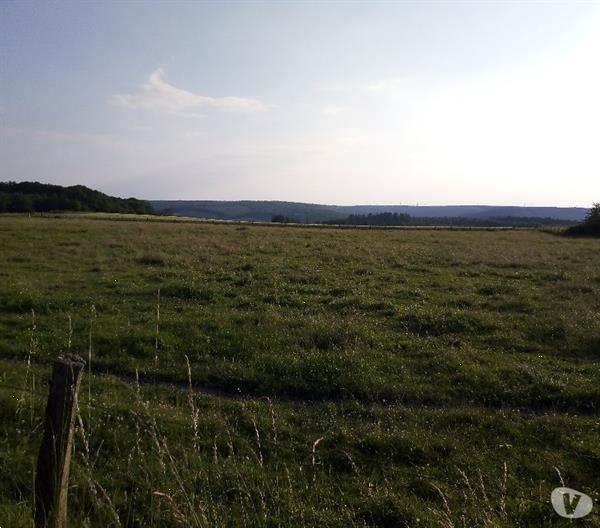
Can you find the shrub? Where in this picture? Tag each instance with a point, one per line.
(590, 226)
(281, 219)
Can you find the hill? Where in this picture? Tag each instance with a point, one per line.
(258, 211)
(263, 211)
(29, 197)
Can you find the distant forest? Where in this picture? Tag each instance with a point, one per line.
(30, 197)
(402, 219)
(265, 211)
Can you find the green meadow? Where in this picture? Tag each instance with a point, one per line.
(243, 375)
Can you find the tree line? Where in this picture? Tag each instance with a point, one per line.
(30, 197)
(403, 219)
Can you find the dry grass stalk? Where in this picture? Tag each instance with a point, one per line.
(29, 370)
(562, 482)
(70, 334)
(194, 411)
(444, 517)
(258, 445)
(314, 457)
(93, 484)
(503, 489)
(156, 338)
(196, 521)
(89, 379)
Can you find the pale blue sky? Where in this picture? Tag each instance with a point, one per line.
(330, 102)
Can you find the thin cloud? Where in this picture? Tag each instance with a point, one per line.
(393, 87)
(160, 96)
(396, 86)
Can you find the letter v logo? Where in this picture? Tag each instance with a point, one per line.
(571, 503)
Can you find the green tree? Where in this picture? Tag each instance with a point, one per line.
(590, 226)
(281, 219)
(593, 215)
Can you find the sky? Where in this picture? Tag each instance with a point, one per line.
(327, 102)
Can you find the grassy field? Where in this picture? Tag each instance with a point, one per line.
(339, 377)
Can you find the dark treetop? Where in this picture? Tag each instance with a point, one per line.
(29, 197)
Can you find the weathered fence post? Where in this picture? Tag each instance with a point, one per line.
(54, 459)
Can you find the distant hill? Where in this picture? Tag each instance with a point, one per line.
(29, 197)
(260, 211)
(264, 211)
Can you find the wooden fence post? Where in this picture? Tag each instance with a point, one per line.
(54, 459)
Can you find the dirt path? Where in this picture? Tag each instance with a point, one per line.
(231, 394)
